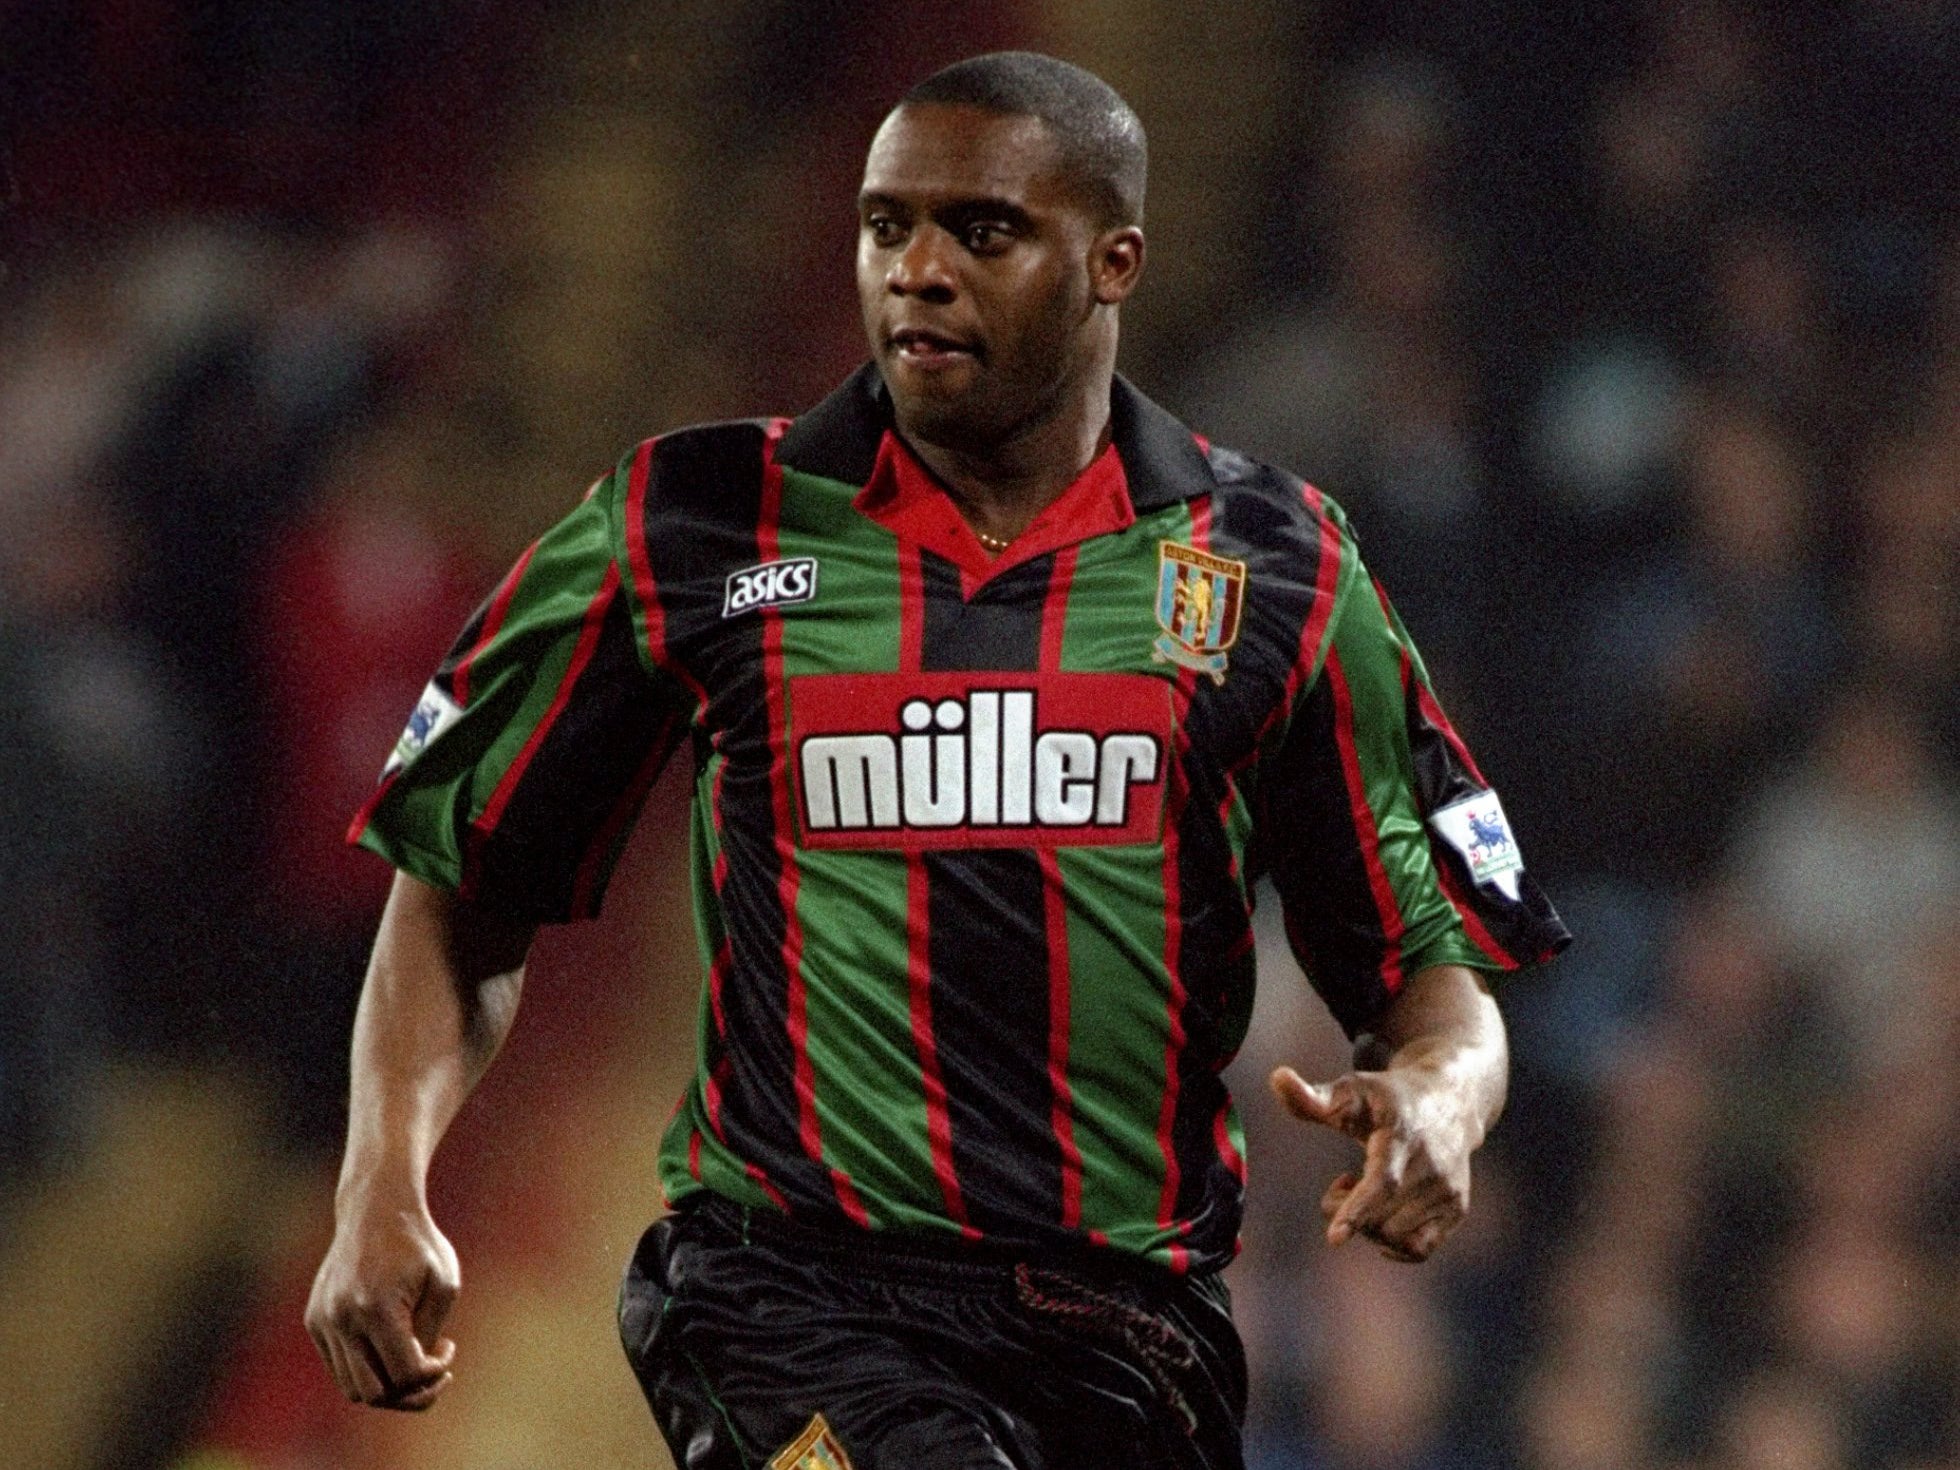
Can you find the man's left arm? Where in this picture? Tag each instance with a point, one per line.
(1429, 1081)
(1403, 887)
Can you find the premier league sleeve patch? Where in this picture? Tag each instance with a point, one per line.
(434, 713)
(1477, 829)
(816, 1448)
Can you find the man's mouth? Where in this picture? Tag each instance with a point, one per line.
(925, 348)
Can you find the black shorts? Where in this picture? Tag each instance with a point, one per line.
(760, 1343)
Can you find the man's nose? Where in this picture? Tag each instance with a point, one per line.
(924, 267)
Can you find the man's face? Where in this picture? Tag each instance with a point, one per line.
(976, 270)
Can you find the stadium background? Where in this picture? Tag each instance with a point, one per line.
(1629, 333)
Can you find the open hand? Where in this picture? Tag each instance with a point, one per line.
(378, 1305)
(1414, 1184)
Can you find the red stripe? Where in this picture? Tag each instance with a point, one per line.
(762, 1182)
(724, 956)
(717, 980)
(1054, 608)
(1174, 1019)
(1222, 1135)
(694, 1153)
(1328, 571)
(1433, 712)
(1387, 910)
(648, 594)
(711, 1092)
(1426, 701)
(918, 924)
(1327, 578)
(789, 877)
(366, 814)
(1054, 618)
(911, 609)
(636, 551)
(1174, 798)
(493, 619)
(1062, 1106)
(1228, 1152)
(644, 587)
(1473, 924)
(1225, 805)
(593, 863)
(588, 643)
(918, 976)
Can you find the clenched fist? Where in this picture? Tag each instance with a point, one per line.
(378, 1305)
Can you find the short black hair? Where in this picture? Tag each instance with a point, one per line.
(1101, 139)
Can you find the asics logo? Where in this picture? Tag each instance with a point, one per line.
(773, 584)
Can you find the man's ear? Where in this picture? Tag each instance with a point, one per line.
(1116, 263)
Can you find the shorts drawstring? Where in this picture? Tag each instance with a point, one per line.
(1159, 1348)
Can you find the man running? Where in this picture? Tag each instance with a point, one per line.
(1003, 689)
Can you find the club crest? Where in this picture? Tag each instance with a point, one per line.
(1198, 601)
(816, 1448)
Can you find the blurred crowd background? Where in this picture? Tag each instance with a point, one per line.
(1628, 333)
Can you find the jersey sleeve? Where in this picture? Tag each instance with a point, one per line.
(1389, 850)
(526, 760)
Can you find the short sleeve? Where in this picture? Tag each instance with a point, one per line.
(1388, 849)
(531, 750)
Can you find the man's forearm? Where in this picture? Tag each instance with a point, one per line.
(440, 995)
(1443, 1020)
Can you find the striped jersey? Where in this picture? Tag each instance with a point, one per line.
(974, 838)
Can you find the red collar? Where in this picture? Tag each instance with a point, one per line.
(904, 498)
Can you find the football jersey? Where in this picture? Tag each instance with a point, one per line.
(974, 837)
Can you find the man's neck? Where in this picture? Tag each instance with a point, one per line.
(1002, 487)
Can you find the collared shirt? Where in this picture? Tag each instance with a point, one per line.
(974, 837)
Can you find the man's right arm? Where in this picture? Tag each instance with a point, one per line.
(440, 995)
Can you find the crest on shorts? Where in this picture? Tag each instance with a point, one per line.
(816, 1448)
(1198, 601)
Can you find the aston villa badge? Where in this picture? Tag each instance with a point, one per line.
(1198, 601)
(816, 1448)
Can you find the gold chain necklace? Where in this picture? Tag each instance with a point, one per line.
(994, 544)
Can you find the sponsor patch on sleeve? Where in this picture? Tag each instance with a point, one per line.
(1477, 829)
(816, 1448)
(434, 713)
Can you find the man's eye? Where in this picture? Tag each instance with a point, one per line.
(983, 237)
(884, 229)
